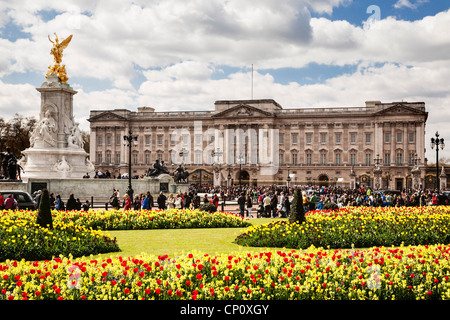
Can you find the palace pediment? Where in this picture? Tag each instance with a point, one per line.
(399, 109)
(243, 111)
(107, 116)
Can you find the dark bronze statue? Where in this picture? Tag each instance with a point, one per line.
(158, 168)
(10, 167)
(181, 175)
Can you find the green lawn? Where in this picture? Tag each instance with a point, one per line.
(177, 241)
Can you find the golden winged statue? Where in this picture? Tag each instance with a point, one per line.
(56, 51)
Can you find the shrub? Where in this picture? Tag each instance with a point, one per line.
(297, 213)
(44, 217)
(208, 207)
(330, 206)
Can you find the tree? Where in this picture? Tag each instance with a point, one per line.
(15, 133)
(297, 213)
(44, 217)
(86, 138)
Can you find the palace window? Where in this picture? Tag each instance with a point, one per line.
(387, 159)
(399, 158)
(294, 158)
(368, 159)
(338, 138)
(338, 159)
(352, 158)
(323, 138)
(309, 158)
(294, 138)
(323, 158)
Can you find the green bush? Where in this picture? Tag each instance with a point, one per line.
(44, 217)
(208, 207)
(297, 213)
(330, 206)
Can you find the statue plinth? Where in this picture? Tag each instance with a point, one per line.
(56, 145)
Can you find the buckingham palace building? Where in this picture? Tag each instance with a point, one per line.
(258, 142)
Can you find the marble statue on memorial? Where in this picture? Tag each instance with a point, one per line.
(45, 130)
(56, 143)
(75, 139)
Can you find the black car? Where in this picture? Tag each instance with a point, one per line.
(23, 199)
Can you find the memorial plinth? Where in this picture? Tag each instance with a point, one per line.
(56, 145)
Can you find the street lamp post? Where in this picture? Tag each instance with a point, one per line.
(129, 139)
(438, 143)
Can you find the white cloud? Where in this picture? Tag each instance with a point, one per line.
(408, 4)
(177, 46)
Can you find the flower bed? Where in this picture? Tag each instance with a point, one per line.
(24, 239)
(358, 226)
(378, 273)
(141, 219)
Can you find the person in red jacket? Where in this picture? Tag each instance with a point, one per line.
(127, 205)
(2, 202)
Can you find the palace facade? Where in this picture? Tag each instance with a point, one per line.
(258, 142)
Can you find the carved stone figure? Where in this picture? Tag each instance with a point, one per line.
(44, 130)
(75, 139)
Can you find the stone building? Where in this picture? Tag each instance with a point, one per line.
(258, 142)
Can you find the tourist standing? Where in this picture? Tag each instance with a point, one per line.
(170, 202)
(59, 203)
(266, 202)
(71, 203)
(241, 202)
(137, 203)
(274, 205)
(127, 202)
(178, 204)
(10, 203)
(146, 202)
(52, 201)
(161, 201)
(249, 205)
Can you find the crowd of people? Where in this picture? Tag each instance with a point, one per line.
(182, 200)
(260, 201)
(274, 200)
(57, 203)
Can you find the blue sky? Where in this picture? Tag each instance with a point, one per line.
(184, 55)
